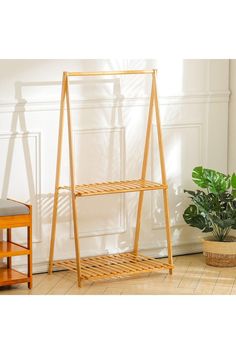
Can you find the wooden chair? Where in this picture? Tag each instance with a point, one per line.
(15, 214)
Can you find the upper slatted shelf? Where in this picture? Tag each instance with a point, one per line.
(85, 190)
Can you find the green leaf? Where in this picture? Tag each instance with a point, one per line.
(193, 193)
(233, 181)
(216, 182)
(195, 219)
(223, 224)
(233, 184)
(198, 177)
(206, 202)
(190, 213)
(234, 193)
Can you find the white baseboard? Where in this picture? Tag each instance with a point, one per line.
(178, 250)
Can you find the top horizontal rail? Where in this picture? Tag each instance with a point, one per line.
(101, 73)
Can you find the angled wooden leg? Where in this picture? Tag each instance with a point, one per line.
(53, 232)
(168, 231)
(76, 237)
(9, 259)
(72, 179)
(58, 171)
(144, 170)
(138, 222)
(163, 174)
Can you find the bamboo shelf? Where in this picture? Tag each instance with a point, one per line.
(86, 190)
(113, 266)
(122, 264)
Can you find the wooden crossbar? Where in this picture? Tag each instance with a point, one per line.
(104, 73)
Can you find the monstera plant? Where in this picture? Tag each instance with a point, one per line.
(213, 210)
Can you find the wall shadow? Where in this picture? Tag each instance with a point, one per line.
(43, 202)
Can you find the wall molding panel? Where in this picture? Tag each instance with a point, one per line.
(201, 158)
(54, 105)
(121, 228)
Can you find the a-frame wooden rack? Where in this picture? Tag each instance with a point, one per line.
(122, 264)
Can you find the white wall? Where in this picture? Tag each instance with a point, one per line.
(232, 117)
(109, 122)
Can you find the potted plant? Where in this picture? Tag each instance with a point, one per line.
(213, 210)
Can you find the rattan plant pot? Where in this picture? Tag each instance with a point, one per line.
(220, 254)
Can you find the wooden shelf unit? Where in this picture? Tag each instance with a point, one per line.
(122, 264)
(9, 249)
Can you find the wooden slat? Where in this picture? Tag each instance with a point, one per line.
(125, 260)
(148, 260)
(112, 266)
(101, 270)
(121, 268)
(100, 267)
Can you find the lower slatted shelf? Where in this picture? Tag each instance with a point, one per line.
(113, 266)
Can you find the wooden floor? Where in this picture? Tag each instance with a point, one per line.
(190, 277)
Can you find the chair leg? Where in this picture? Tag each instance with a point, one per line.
(9, 259)
(30, 266)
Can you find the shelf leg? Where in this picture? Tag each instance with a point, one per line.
(76, 237)
(163, 174)
(53, 232)
(138, 222)
(9, 259)
(144, 169)
(58, 172)
(72, 180)
(168, 231)
(30, 264)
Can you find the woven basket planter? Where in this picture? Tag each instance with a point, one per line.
(220, 254)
